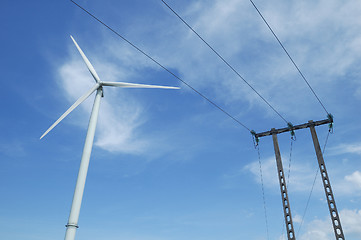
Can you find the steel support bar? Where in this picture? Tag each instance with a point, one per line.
(327, 186)
(297, 127)
(283, 187)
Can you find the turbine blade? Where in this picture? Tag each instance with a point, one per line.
(88, 64)
(135, 85)
(77, 103)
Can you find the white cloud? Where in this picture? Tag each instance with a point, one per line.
(319, 36)
(324, 28)
(351, 222)
(12, 148)
(118, 128)
(120, 115)
(297, 218)
(355, 180)
(301, 175)
(354, 148)
(317, 230)
(322, 229)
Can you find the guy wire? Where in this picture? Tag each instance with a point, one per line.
(263, 192)
(313, 185)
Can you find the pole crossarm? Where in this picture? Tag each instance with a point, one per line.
(296, 127)
(336, 222)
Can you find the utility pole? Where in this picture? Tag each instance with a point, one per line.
(327, 186)
(283, 187)
(325, 178)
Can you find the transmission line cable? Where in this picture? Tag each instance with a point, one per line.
(289, 56)
(162, 66)
(234, 70)
(289, 166)
(313, 185)
(263, 192)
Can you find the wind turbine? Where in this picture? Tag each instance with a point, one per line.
(72, 224)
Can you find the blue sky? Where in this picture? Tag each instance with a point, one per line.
(167, 165)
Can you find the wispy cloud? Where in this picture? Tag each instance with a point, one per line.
(236, 31)
(352, 148)
(12, 148)
(120, 114)
(301, 175)
(355, 180)
(351, 221)
(321, 43)
(322, 228)
(317, 230)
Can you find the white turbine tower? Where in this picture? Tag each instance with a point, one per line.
(72, 224)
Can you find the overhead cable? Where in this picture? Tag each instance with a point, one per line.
(235, 71)
(289, 56)
(162, 66)
(313, 185)
(263, 192)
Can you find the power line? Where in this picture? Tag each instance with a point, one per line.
(263, 192)
(162, 66)
(313, 185)
(239, 75)
(289, 56)
(289, 165)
